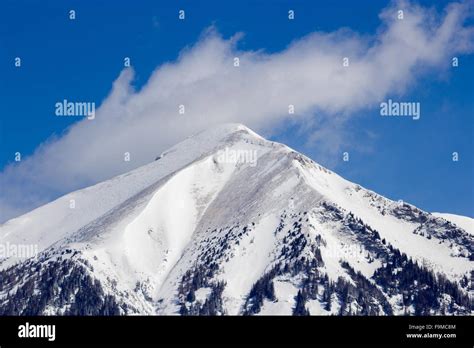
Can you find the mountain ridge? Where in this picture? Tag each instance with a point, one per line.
(195, 232)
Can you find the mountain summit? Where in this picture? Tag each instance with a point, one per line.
(227, 222)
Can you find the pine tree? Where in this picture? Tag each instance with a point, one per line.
(300, 308)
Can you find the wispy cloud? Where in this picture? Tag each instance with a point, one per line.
(308, 74)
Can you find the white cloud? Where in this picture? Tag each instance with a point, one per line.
(308, 74)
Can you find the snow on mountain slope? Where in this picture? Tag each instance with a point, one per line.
(465, 222)
(377, 211)
(56, 220)
(227, 222)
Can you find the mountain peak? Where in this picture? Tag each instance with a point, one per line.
(224, 130)
(226, 213)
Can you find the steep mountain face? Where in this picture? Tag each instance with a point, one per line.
(227, 222)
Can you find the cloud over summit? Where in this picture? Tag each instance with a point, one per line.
(308, 74)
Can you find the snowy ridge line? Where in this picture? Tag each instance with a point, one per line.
(198, 233)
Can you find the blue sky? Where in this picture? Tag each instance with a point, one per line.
(80, 59)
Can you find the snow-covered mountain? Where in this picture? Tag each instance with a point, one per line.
(227, 222)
